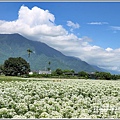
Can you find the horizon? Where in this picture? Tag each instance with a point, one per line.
(91, 33)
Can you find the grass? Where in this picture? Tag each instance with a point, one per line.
(10, 78)
(14, 78)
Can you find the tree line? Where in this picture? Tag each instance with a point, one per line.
(86, 75)
(20, 67)
(59, 73)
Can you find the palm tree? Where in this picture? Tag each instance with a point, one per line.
(49, 65)
(29, 52)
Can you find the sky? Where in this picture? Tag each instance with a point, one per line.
(88, 30)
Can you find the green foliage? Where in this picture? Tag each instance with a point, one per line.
(68, 71)
(1, 69)
(16, 66)
(83, 74)
(70, 74)
(103, 75)
(59, 71)
(10, 78)
(36, 75)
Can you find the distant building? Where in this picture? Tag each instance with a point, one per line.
(30, 73)
(44, 72)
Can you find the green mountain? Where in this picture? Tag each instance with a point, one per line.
(15, 45)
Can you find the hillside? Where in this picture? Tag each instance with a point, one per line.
(15, 45)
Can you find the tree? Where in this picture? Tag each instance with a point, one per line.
(59, 71)
(1, 69)
(83, 74)
(68, 71)
(103, 75)
(16, 66)
(49, 65)
(29, 52)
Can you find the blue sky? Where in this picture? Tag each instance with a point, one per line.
(92, 27)
(78, 12)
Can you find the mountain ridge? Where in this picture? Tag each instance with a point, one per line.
(15, 45)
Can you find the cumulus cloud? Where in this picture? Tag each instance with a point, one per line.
(97, 23)
(109, 49)
(35, 16)
(39, 25)
(34, 21)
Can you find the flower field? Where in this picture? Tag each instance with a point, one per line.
(60, 99)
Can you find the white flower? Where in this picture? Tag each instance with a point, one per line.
(44, 115)
(30, 114)
(19, 117)
(21, 108)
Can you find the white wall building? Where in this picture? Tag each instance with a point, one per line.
(31, 73)
(44, 72)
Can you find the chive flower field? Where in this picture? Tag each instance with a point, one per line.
(60, 99)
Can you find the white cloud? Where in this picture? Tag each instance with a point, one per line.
(115, 28)
(2, 22)
(97, 23)
(35, 16)
(109, 49)
(73, 25)
(38, 24)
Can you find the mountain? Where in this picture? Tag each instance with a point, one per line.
(105, 70)
(15, 45)
(99, 69)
